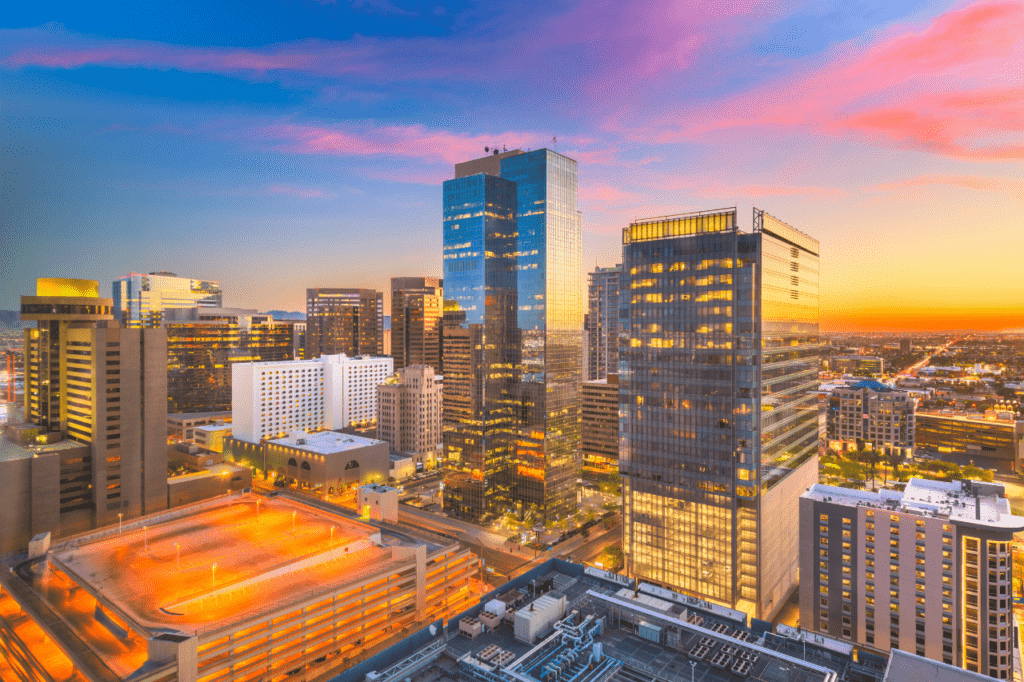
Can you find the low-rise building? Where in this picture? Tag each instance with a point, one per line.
(378, 502)
(403, 466)
(869, 414)
(212, 436)
(927, 570)
(181, 427)
(218, 479)
(861, 365)
(989, 440)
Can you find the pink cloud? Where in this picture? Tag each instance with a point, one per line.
(972, 182)
(301, 192)
(605, 195)
(951, 88)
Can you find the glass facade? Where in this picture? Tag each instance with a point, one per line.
(603, 323)
(349, 321)
(480, 349)
(718, 369)
(550, 318)
(521, 284)
(417, 305)
(140, 300)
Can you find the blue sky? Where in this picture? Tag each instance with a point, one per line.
(280, 145)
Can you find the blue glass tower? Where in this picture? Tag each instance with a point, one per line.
(513, 329)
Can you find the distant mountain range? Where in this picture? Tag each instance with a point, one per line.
(11, 319)
(285, 315)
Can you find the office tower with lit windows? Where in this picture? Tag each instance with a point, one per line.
(599, 413)
(927, 570)
(349, 321)
(603, 323)
(204, 343)
(141, 300)
(513, 289)
(102, 386)
(718, 409)
(481, 348)
(417, 306)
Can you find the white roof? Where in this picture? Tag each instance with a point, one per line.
(325, 442)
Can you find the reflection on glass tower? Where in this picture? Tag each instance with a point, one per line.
(718, 408)
(513, 331)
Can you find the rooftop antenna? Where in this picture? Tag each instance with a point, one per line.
(554, 141)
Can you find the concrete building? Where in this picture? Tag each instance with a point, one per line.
(143, 300)
(600, 426)
(603, 323)
(182, 427)
(988, 440)
(718, 404)
(869, 414)
(212, 436)
(326, 460)
(378, 502)
(270, 399)
(203, 343)
(928, 570)
(409, 407)
(906, 345)
(858, 365)
(99, 385)
(417, 307)
(218, 479)
(348, 321)
(403, 466)
(234, 589)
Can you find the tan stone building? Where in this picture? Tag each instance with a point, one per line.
(409, 414)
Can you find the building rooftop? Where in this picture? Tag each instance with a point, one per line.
(192, 416)
(214, 471)
(197, 569)
(325, 442)
(971, 417)
(904, 666)
(213, 427)
(968, 502)
(615, 630)
(876, 386)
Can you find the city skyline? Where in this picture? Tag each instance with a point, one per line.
(286, 138)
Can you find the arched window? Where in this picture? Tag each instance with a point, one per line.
(292, 462)
(352, 465)
(305, 465)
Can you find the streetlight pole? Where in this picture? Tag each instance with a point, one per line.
(177, 555)
(145, 537)
(119, 526)
(332, 537)
(258, 508)
(693, 670)
(293, 522)
(213, 576)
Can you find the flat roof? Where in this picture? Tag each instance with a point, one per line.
(210, 472)
(904, 666)
(979, 418)
(201, 569)
(326, 442)
(189, 416)
(935, 499)
(214, 427)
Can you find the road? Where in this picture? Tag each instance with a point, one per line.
(912, 371)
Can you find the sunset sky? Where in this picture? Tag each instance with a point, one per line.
(285, 144)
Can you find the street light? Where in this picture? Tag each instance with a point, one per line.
(693, 669)
(213, 576)
(293, 522)
(258, 508)
(145, 538)
(332, 537)
(177, 555)
(119, 518)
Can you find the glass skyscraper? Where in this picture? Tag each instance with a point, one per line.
(718, 405)
(140, 300)
(603, 323)
(542, 339)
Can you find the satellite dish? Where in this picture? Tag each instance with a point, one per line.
(433, 630)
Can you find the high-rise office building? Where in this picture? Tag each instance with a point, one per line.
(481, 348)
(719, 430)
(928, 570)
(140, 300)
(349, 321)
(409, 414)
(204, 343)
(871, 414)
(600, 426)
(103, 386)
(417, 306)
(603, 323)
(514, 312)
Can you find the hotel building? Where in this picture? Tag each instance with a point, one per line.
(928, 570)
(873, 415)
(141, 300)
(273, 399)
(718, 404)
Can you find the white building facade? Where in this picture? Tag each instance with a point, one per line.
(272, 399)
